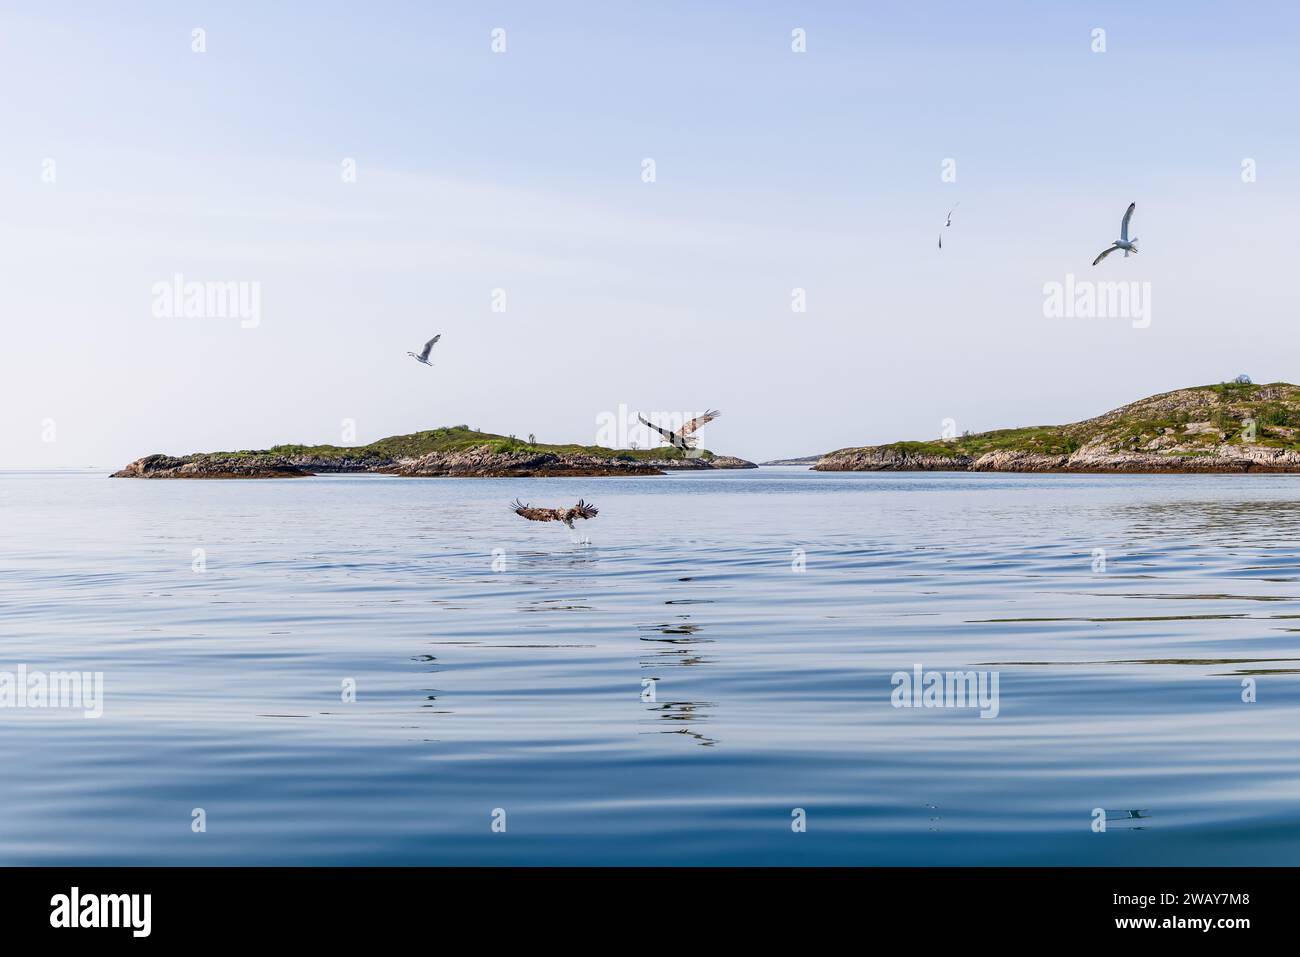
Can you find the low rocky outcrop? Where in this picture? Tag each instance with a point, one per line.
(209, 467)
(704, 464)
(885, 459)
(483, 462)
(802, 460)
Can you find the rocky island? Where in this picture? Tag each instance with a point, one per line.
(456, 451)
(1230, 427)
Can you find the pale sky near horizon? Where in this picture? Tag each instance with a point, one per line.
(522, 171)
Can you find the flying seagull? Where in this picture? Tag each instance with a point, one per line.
(947, 222)
(423, 355)
(685, 437)
(1124, 243)
(565, 515)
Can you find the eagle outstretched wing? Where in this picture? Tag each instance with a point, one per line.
(536, 514)
(699, 422)
(664, 432)
(584, 510)
(565, 515)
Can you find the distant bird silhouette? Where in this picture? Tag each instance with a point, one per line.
(685, 437)
(423, 355)
(1123, 242)
(565, 515)
(947, 222)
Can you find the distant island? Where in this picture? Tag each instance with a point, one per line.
(1231, 427)
(804, 460)
(455, 451)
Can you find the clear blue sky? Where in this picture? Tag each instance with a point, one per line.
(522, 171)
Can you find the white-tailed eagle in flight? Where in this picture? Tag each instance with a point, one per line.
(565, 515)
(685, 437)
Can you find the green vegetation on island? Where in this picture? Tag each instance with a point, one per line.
(458, 438)
(1231, 426)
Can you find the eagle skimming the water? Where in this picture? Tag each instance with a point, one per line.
(565, 515)
(685, 437)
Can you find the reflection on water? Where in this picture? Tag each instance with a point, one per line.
(1219, 522)
(1131, 820)
(675, 639)
(495, 663)
(694, 712)
(1145, 661)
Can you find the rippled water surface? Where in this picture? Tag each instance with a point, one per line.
(524, 689)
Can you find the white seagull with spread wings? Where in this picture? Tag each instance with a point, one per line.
(423, 355)
(1124, 243)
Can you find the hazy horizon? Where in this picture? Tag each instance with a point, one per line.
(522, 171)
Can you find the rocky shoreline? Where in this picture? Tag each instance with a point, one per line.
(1222, 459)
(1225, 428)
(482, 462)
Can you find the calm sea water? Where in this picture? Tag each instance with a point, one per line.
(523, 689)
